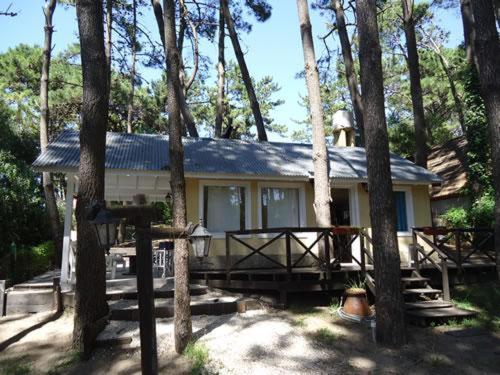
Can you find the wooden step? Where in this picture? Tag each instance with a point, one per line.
(422, 305)
(415, 279)
(417, 291)
(424, 317)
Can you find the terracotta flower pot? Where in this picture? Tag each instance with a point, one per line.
(356, 303)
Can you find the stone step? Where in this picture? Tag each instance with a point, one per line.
(438, 315)
(32, 286)
(418, 291)
(421, 305)
(207, 304)
(28, 301)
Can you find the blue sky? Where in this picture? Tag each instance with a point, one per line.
(272, 48)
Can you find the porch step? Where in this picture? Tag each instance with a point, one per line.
(415, 279)
(419, 291)
(32, 286)
(208, 304)
(28, 301)
(117, 294)
(422, 305)
(438, 315)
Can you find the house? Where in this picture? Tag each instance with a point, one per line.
(449, 162)
(237, 184)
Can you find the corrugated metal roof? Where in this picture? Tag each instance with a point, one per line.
(146, 152)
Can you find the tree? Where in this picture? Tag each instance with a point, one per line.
(487, 52)
(320, 154)
(48, 187)
(415, 87)
(254, 104)
(389, 298)
(90, 290)
(350, 74)
(221, 71)
(182, 308)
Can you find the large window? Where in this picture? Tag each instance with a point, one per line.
(280, 207)
(224, 208)
(401, 211)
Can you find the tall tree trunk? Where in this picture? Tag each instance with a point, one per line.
(187, 117)
(221, 72)
(468, 26)
(109, 36)
(320, 154)
(487, 51)
(245, 75)
(182, 311)
(90, 291)
(133, 58)
(391, 328)
(421, 149)
(350, 74)
(48, 186)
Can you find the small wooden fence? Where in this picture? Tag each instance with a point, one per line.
(452, 246)
(333, 244)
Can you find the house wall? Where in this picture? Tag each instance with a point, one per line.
(418, 208)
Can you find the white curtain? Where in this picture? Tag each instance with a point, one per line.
(280, 207)
(224, 208)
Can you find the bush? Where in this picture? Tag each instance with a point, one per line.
(456, 217)
(480, 215)
(32, 261)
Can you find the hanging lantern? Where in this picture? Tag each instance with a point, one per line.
(105, 226)
(200, 239)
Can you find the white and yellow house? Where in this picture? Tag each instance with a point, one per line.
(237, 184)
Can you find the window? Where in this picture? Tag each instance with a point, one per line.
(280, 207)
(401, 211)
(224, 208)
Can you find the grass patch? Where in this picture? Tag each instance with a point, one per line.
(15, 366)
(299, 322)
(334, 305)
(198, 354)
(483, 298)
(69, 360)
(297, 309)
(355, 283)
(437, 360)
(325, 337)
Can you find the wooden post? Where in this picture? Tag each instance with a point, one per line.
(362, 253)
(288, 255)
(446, 281)
(228, 258)
(145, 296)
(327, 254)
(458, 248)
(56, 289)
(2, 297)
(414, 251)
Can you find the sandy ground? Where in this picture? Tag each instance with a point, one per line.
(269, 342)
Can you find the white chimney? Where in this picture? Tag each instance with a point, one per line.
(343, 129)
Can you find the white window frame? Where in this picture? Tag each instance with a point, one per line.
(248, 201)
(410, 216)
(282, 185)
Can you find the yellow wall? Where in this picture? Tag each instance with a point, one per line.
(420, 200)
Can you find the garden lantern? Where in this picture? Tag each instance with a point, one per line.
(105, 226)
(200, 239)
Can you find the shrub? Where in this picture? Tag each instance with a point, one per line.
(480, 215)
(32, 261)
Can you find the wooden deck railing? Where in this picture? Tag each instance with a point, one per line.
(334, 242)
(451, 246)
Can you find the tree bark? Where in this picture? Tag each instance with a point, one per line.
(187, 117)
(350, 74)
(245, 75)
(487, 52)
(391, 328)
(90, 291)
(48, 186)
(109, 36)
(421, 149)
(182, 310)
(221, 72)
(320, 153)
(133, 58)
(468, 26)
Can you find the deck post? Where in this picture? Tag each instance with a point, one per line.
(362, 253)
(68, 216)
(327, 254)
(145, 296)
(445, 280)
(458, 248)
(228, 258)
(414, 251)
(288, 254)
(2, 297)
